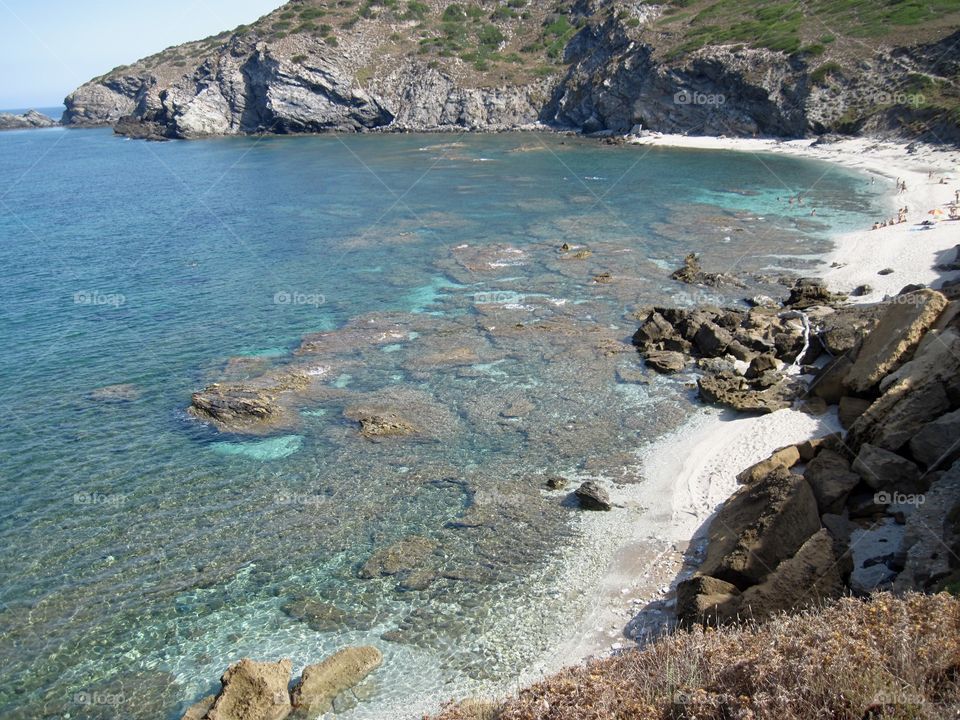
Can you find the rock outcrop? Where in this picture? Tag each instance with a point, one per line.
(253, 691)
(320, 684)
(27, 121)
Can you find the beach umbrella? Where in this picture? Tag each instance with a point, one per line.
(936, 212)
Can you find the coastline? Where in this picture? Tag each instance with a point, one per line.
(692, 471)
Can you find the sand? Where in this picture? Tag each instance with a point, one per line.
(689, 474)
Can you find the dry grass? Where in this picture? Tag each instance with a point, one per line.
(887, 658)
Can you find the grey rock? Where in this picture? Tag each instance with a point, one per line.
(884, 470)
(28, 121)
(937, 444)
(593, 497)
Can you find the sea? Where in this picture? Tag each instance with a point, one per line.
(484, 287)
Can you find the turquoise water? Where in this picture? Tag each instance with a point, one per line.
(143, 551)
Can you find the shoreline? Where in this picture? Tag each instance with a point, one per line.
(692, 471)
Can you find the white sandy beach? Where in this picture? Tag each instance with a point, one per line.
(691, 473)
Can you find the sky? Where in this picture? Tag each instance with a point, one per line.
(50, 47)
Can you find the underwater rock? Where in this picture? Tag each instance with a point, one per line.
(122, 393)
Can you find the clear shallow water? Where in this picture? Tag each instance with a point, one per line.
(141, 551)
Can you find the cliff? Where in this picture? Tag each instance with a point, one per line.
(696, 66)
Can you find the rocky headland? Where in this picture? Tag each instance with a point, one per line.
(596, 66)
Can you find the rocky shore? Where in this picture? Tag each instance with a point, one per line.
(596, 66)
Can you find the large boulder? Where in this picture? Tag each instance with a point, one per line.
(937, 444)
(810, 577)
(898, 333)
(828, 384)
(705, 600)
(759, 527)
(842, 332)
(924, 388)
(319, 684)
(253, 690)
(884, 470)
(593, 497)
(665, 361)
(831, 480)
(712, 340)
(932, 535)
(785, 457)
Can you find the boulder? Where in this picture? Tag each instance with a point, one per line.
(319, 684)
(808, 449)
(897, 334)
(937, 444)
(759, 527)
(704, 600)
(808, 292)
(785, 457)
(850, 409)
(842, 332)
(658, 333)
(761, 364)
(712, 340)
(556, 482)
(808, 578)
(923, 388)
(831, 480)
(828, 384)
(884, 470)
(253, 690)
(592, 497)
(665, 361)
(932, 535)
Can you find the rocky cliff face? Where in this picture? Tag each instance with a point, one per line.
(591, 65)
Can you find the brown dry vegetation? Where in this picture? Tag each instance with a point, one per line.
(891, 658)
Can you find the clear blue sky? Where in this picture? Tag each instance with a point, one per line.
(49, 47)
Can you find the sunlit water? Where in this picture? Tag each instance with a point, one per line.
(142, 551)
